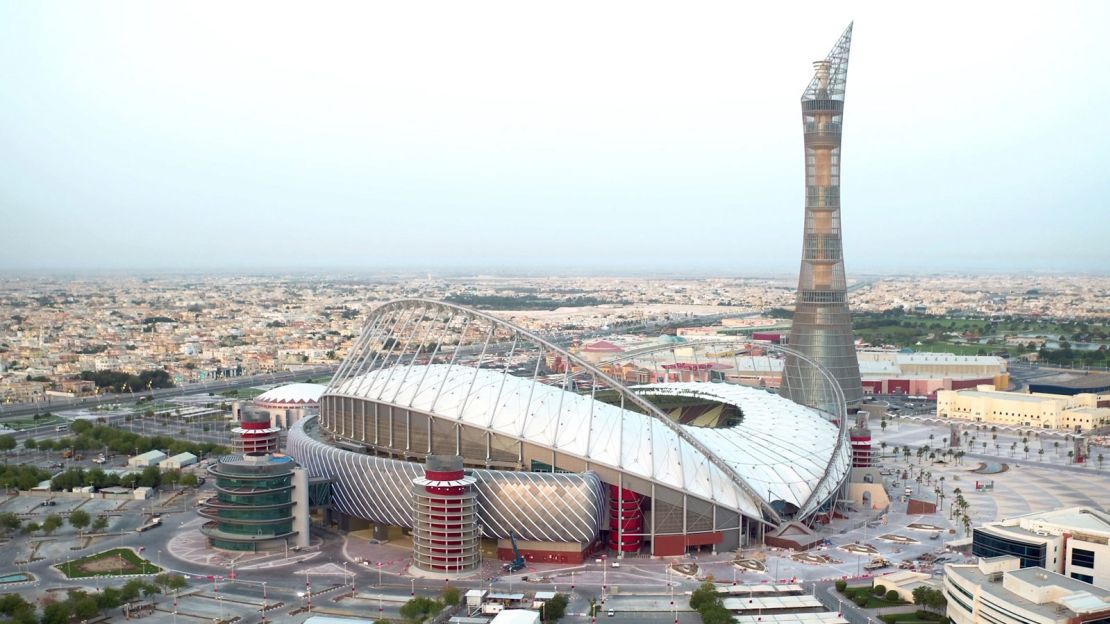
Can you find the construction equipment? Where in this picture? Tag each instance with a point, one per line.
(517, 563)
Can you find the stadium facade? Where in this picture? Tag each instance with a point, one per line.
(560, 456)
(822, 325)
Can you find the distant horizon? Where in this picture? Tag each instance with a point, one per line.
(443, 272)
(622, 138)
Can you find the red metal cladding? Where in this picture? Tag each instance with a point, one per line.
(626, 520)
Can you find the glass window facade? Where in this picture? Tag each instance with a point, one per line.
(1083, 558)
(985, 544)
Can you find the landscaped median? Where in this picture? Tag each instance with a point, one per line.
(868, 597)
(917, 617)
(115, 562)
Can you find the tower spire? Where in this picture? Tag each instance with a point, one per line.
(822, 327)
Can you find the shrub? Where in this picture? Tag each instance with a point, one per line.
(420, 608)
(841, 586)
(892, 596)
(878, 590)
(860, 600)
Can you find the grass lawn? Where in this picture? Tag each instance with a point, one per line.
(959, 349)
(918, 617)
(242, 393)
(115, 561)
(873, 601)
(20, 425)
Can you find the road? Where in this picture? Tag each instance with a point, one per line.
(28, 409)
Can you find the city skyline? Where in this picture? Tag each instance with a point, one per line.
(476, 138)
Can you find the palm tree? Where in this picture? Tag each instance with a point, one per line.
(1026, 452)
(1100, 461)
(1041, 454)
(1070, 455)
(1056, 445)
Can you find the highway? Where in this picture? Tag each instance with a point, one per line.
(55, 405)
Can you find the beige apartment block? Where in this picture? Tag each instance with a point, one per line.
(1079, 412)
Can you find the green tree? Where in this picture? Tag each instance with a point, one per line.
(79, 519)
(450, 596)
(56, 613)
(189, 480)
(171, 477)
(7, 442)
(9, 522)
(85, 607)
(30, 444)
(715, 614)
(704, 595)
(52, 523)
(29, 528)
(100, 524)
(419, 608)
(555, 609)
(151, 476)
(19, 610)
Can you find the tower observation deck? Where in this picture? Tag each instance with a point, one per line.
(822, 327)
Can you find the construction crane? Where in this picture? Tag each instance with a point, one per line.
(517, 563)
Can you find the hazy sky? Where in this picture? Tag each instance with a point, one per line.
(596, 135)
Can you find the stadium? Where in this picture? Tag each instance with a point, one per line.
(559, 457)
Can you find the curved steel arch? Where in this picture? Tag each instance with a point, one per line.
(840, 406)
(373, 328)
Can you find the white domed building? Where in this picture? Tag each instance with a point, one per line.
(288, 404)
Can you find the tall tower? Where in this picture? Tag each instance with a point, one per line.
(822, 326)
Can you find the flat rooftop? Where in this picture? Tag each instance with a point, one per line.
(1007, 396)
(1034, 576)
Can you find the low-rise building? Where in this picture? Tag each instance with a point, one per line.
(1072, 542)
(285, 405)
(149, 458)
(997, 590)
(516, 616)
(1078, 412)
(903, 582)
(177, 462)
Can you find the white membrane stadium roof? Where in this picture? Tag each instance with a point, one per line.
(293, 393)
(779, 447)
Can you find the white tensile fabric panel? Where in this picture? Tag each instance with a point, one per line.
(780, 448)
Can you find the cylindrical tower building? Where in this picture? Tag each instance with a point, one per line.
(254, 435)
(860, 437)
(445, 537)
(253, 508)
(822, 327)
